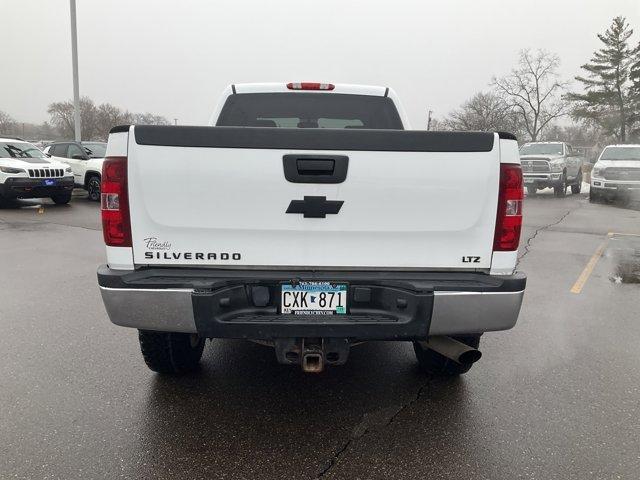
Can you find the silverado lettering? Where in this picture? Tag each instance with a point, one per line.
(192, 256)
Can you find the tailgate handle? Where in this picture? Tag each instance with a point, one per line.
(315, 168)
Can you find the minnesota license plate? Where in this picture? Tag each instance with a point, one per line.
(49, 182)
(528, 180)
(314, 298)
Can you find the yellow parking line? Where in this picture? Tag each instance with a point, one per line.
(586, 273)
(616, 234)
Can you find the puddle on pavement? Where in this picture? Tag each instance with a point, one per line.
(629, 200)
(625, 253)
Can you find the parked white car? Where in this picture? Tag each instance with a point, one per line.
(339, 228)
(85, 159)
(27, 172)
(617, 172)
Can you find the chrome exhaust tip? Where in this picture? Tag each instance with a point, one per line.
(453, 349)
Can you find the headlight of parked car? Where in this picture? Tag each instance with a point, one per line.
(555, 167)
(597, 171)
(11, 170)
(68, 170)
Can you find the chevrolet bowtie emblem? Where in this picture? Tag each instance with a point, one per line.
(315, 207)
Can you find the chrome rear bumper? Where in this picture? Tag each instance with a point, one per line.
(494, 305)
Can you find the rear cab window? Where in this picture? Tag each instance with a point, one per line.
(309, 110)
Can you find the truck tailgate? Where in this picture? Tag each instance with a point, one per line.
(218, 196)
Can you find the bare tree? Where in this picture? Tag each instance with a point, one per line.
(533, 91)
(97, 120)
(150, 119)
(108, 117)
(7, 123)
(485, 111)
(62, 118)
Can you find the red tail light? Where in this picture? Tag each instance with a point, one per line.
(114, 198)
(509, 218)
(310, 86)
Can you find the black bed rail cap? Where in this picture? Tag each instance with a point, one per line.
(507, 136)
(313, 139)
(120, 129)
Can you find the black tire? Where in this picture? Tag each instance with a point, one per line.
(93, 188)
(532, 191)
(594, 197)
(170, 352)
(577, 187)
(561, 190)
(61, 199)
(433, 363)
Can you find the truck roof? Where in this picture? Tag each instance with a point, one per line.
(337, 88)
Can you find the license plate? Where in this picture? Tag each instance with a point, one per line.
(48, 182)
(528, 180)
(314, 298)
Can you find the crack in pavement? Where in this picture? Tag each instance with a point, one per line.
(358, 433)
(527, 245)
(362, 428)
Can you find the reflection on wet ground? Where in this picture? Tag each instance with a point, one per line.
(630, 200)
(14, 204)
(625, 252)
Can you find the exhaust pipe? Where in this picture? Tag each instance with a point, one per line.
(453, 349)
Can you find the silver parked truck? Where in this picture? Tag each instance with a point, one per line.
(551, 165)
(307, 217)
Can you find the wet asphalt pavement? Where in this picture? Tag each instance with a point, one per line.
(557, 397)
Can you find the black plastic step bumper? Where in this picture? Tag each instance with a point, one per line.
(383, 305)
(21, 187)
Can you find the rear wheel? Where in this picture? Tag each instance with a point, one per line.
(532, 190)
(432, 362)
(577, 187)
(93, 188)
(171, 352)
(61, 199)
(561, 189)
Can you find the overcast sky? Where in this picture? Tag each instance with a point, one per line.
(175, 57)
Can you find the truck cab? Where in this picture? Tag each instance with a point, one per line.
(343, 106)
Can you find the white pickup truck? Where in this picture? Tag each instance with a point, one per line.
(616, 173)
(307, 218)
